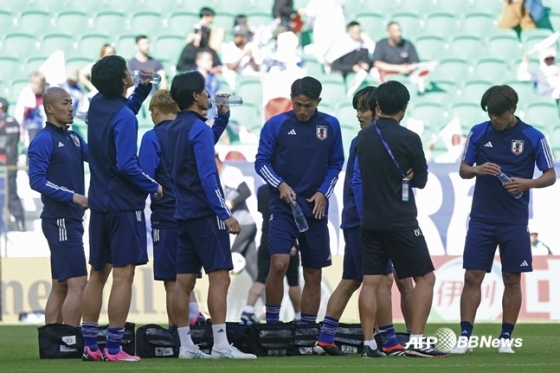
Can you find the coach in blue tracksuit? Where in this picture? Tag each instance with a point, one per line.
(117, 195)
(56, 170)
(300, 156)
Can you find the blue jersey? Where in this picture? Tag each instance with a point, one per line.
(308, 156)
(516, 151)
(117, 183)
(56, 170)
(155, 162)
(350, 217)
(193, 169)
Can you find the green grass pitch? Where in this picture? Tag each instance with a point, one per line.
(539, 353)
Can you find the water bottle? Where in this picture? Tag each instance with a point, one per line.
(230, 101)
(505, 179)
(301, 222)
(139, 76)
(81, 115)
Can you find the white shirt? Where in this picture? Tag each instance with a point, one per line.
(231, 53)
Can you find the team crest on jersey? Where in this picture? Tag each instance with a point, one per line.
(321, 132)
(75, 139)
(517, 146)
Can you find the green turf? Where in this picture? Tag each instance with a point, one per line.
(539, 353)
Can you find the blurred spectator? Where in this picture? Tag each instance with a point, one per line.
(537, 246)
(142, 60)
(29, 111)
(350, 52)
(204, 62)
(282, 11)
(546, 78)
(328, 22)
(522, 13)
(9, 138)
(79, 98)
(199, 38)
(242, 20)
(394, 54)
(240, 56)
(85, 73)
(283, 54)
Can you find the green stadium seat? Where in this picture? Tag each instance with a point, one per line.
(458, 7)
(355, 7)
(89, 7)
(35, 21)
(110, 22)
(531, 37)
(466, 46)
(525, 90)
(441, 23)
(555, 140)
(493, 69)
(160, 6)
(409, 22)
(373, 24)
(14, 5)
(479, 23)
(439, 90)
(348, 134)
(452, 68)
(473, 90)
(17, 85)
(542, 113)
(9, 67)
(468, 113)
(405, 80)
(147, 23)
(259, 19)
(125, 6)
(81, 129)
(247, 115)
(488, 6)
(6, 19)
(168, 46)
(500, 45)
(51, 6)
(534, 64)
(346, 115)
(554, 18)
(431, 113)
(419, 6)
(260, 6)
(73, 21)
(89, 45)
(78, 61)
(313, 66)
(126, 45)
(224, 85)
(20, 44)
(33, 63)
(251, 90)
(182, 22)
(429, 47)
(327, 108)
(224, 20)
(56, 41)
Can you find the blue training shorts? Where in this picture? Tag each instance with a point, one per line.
(513, 241)
(65, 238)
(352, 266)
(165, 253)
(118, 239)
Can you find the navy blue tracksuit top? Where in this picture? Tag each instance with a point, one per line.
(117, 183)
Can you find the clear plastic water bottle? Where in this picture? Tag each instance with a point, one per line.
(81, 115)
(505, 179)
(230, 101)
(138, 75)
(301, 221)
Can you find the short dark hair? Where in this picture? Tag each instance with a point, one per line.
(352, 24)
(184, 87)
(307, 86)
(4, 105)
(392, 23)
(392, 97)
(365, 97)
(107, 75)
(499, 99)
(240, 19)
(206, 12)
(140, 37)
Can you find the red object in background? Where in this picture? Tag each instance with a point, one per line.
(276, 106)
(296, 23)
(234, 155)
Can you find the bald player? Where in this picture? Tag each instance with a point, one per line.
(56, 170)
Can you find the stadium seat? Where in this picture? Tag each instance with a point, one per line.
(17, 85)
(111, 22)
(431, 113)
(419, 6)
(13, 5)
(89, 7)
(534, 64)
(160, 6)
(441, 24)
(479, 23)
(451, 68)
(90, 45)
(468, 113)
(488, 6)
(542, 113)
(251, 91)
(126, 45)
(78, 61)
(313, 66)
(430, 47)
(348, 134)
(182, 22)
(56, 41)
(20, 44)
(247, 115)
(73, 21)
(259, 19)
(346, 115)
(405, 80)
(147, 23)
(327, 108)
(409, 22)
(6, 19)
(168, 46)
(35, 21)
(9, 67)
(525, 90)
(458, 7)
(223, 20)
(51, 6)
(531, 37)
(439, 90)
(466, 46)
(500, 45)
(33, 63)
(554, 18)
(493, 69)
(473, 90)
(555, 140)
(260, 6)
(373, 24)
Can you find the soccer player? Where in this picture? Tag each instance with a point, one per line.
(300, 156)
(499, 214)
(117, 195)
(56, 170)
(389, 229)
(203, 219)
(154, 161)
(364, 103)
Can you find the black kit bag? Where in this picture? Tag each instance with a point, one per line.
(202, 336)
(272, 339)
(155, 341)
(305, 336)
(239, 336)
(128, 342)
(349, 338)
(60, 341)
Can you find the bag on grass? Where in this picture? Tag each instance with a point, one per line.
(202, 336)
(305, 336)
(349, 338)
(272, 339)
(128, 342)
(155, 341)
(60, 341)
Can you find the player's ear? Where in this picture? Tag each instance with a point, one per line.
(319, 100)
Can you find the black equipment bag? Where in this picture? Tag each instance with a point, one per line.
(272, 339)
(155, 341)
(305, 336)
(349, 338)
(60, 341)
(128, 342)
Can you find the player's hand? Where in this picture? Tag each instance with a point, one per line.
(149, 73)
(320, 204)
(80, 200)
(409, 174)
(517, 185)
(232, 225)
(223, 108)
(159, 192)
(293, 252)
(287, 194)
(487, 168)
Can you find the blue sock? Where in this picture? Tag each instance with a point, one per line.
(388, 336)
(89, 331)
(272, 314)
(328, 330)
(466, 329)
(408, 330)
(308, 319)
(507, 330)
(114, 340)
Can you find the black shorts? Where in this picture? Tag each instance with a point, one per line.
(292, 274)
(407, 250)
